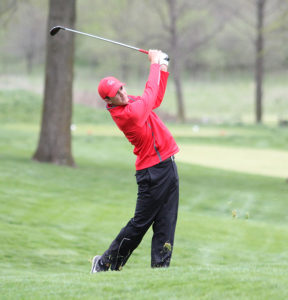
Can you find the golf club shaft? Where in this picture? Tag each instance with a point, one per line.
(103, 39)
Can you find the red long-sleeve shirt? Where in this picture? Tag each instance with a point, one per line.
(152, 140)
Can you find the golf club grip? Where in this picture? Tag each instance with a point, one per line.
(143, 51)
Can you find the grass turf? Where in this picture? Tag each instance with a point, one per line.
(54, 219)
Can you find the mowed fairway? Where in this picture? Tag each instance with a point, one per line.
(245, 160)
(232, 234)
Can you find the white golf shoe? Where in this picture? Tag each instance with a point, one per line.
(95, 264)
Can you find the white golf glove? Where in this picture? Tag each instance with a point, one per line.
(164, 59)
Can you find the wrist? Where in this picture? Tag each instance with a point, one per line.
(164, 68)
(154, 61)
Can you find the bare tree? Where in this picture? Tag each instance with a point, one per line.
(7, 8)
(186, 32)
(260, 18)
(26, 35)
(174, 16)
(55, 138)
(259, 61)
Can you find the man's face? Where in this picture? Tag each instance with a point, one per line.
(120, 98)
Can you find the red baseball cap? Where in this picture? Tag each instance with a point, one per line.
(109, 86)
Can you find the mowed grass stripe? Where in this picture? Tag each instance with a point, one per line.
(253, 161)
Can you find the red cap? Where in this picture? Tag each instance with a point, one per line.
(109, 86)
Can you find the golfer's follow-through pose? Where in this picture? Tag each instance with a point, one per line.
(156, 171)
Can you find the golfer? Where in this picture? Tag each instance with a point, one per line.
(156, 171)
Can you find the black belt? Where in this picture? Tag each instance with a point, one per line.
(168, 159)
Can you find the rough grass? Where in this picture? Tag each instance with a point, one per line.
(54, 219)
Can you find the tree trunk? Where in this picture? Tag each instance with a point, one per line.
(55, 138)
(179, 95)
(174, 46)
(259, 62)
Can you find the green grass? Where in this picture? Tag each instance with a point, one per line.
(54, 219)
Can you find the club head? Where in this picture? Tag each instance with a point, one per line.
(55, 30)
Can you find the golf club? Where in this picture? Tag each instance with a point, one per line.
(56, 29)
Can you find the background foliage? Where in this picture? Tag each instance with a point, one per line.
(216, 41)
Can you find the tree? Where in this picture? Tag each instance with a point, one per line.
(263, 19)
(26, 35)
(259, 61)
(189, 25)
(7, 8)
(55, 137)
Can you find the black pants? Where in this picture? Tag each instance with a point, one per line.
(157, 205)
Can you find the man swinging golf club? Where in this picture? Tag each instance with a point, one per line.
(156, 171)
